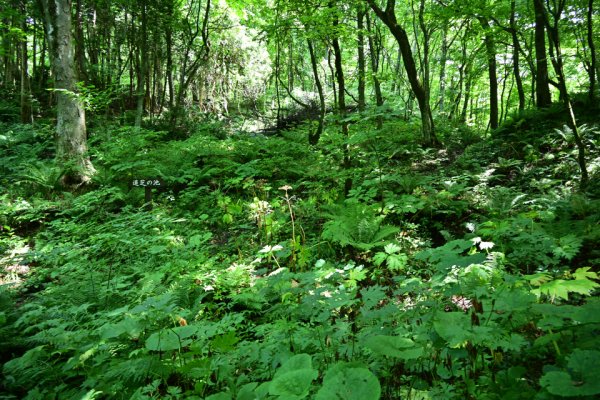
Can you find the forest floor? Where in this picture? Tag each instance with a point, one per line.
(463, 273)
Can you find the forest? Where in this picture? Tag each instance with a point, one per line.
(299, 199)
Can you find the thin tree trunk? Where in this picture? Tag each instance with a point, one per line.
(26, 116)
(360, 17)
(374, 50)
(557, 61)
(79, 43)
(443, 58)
(590, 39)
(339, 74)
(142, 67)
(313, 138)
(492, 73)
(516, 54)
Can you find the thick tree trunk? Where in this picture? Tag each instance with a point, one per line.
(388, 17)
(542, 90)
(71, 141)
(490, 48)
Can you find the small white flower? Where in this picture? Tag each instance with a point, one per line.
(208, 288)
(470, 226)
(486, 245)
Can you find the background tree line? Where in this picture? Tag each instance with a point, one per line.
(476, 62)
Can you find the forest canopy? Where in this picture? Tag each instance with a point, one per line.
(283, 199)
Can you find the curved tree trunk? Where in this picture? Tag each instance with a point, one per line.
(71, 141)
(313, 138)
(388, 17)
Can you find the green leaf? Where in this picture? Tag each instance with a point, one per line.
(583, 273)
(293, 379)
(379, 258)
(396, 262)
(346, 382)
(582, 378)
(219, 396)
(170, 339)
(393, 346)
(454, 327)
(293, 385)
(391, 248)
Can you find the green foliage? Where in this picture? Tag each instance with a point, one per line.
(349, 382)
(356, 225)
(431, 283)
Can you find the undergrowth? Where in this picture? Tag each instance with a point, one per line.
(442, 275)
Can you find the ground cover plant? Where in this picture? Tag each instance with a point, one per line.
(263, 200)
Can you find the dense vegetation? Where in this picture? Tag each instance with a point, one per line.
(330, 223)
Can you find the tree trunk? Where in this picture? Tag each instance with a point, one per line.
(388, 17)
(516, 54)
(79, 43)
(313, 138)
(557, 61)
(590, 39)
(341, 85)
(490, 48)
(374, 50)
(360, 17)
(142, 69)
(71, 141)
(443, 59)
(26, 115)
(542, 90)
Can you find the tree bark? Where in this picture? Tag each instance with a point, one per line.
(542, 90)
(388, 17)
(590, 39)
(142, 68)
(557, 61)
(26, 115)
(374, 50)
(516, 54)
(360, 17)
(71, 141)
(341, 86)
(313, 138)
(490, 48)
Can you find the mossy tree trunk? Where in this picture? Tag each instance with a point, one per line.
(71, 139)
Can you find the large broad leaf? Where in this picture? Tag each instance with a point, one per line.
(582, 378)
(393, 346)
(346, 382)
(454, 328)
(293, 379)
(293, 385)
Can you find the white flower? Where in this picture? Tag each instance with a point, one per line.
(486, 245)
(269, 249)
